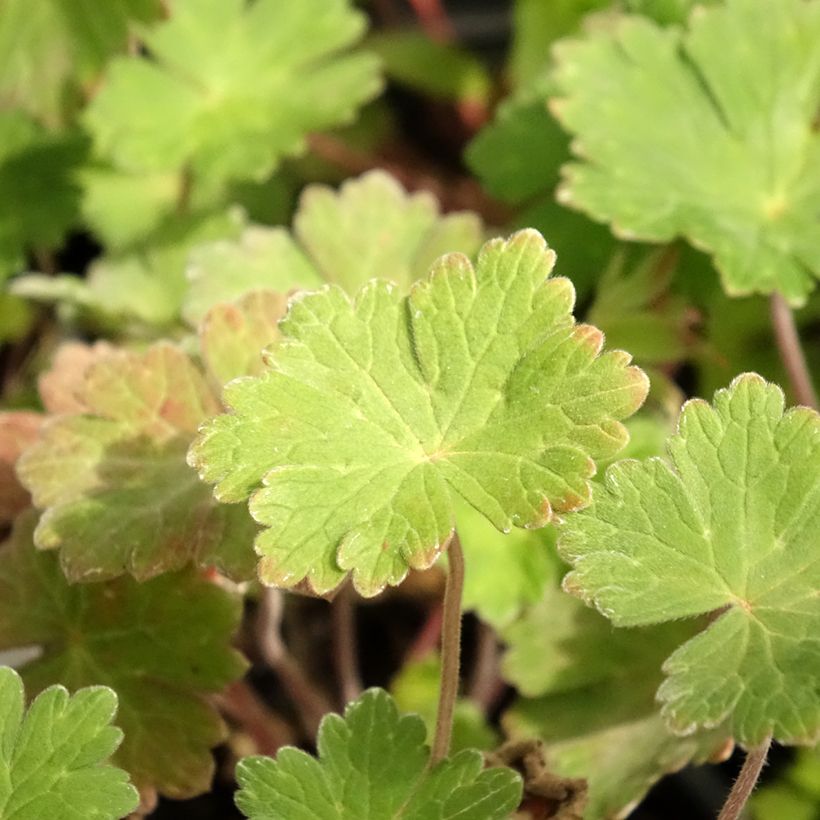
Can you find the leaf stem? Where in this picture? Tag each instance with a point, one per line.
(450, 651)
(345, 649)
(310, 702)
(791, 353)
(746, 781)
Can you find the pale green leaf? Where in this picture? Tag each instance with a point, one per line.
(728, 525)
(53, 755)
(260, 258)
(377, 412)
(164, 646)
(371, 227)
(372, 764)
(117, 493)
(232, 88)
(708, 134)
(503, 572)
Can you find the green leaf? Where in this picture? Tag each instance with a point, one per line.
(124, 209)
(503, 572)
(52, 757)
(372, 764)
(51, 51)
(232, 88)
(595, 708)
(164, 646)
(494, 154)
(416, 689)
(370, 228)
(377, 412)
(636, 310)
(117, 493)
(737, 174)
(728, 525)
(261, 258)
(36, 175)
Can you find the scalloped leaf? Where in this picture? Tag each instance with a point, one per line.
(232, 88)
(729, 525)
(53, 755)
(371, 227)
(737, 175)
(117, 493)
(373, 764)
(164, 646)
(376, 412)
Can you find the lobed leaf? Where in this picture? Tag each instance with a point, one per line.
(373, 764)
(737, 173)
(53, 756)
(117, 493)
(376, 413)
(235, 86)
(163, 645)
(370, 228)
(727, 526)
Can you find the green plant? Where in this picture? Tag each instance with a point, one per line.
(317, 386)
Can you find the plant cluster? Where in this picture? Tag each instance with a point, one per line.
(267, 356)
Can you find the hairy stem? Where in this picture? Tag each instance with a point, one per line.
(450, 651)
(788, 343)
(345, 651)
(309, 701)
(746, 781)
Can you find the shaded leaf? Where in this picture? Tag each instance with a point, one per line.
(163, 646)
